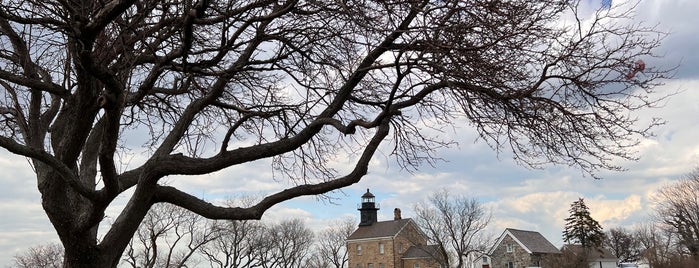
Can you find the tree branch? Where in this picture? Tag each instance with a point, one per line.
(175, 196)
(65, 172)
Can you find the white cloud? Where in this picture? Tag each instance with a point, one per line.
(612, 212)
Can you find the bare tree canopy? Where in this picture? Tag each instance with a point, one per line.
(213, 84)
(41, 256)
(331, 247)
(170, 236)
(660, 247)
(623, 244)
(457, 225)
(678, 210)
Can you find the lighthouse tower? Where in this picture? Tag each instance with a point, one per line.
(368, 209)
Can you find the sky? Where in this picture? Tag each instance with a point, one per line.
(522, 198)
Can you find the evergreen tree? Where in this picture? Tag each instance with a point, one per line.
(581, 228)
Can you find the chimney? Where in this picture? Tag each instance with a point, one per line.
(396, 214)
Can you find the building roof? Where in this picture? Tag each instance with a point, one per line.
(368, 194)
(593, 254)
(380, 229)
(532, 242)
(422, 252)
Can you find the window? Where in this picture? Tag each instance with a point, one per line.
(359, 266)
(400, 247)
(371, 265)
(510, 265)
(380, 248)
(509, 248)
(359, 249)
(416, 265)
(381, 265)
(485, 259)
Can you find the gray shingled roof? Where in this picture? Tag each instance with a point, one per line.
(421, 252)
(594, 254)
(379, 229)
(534, 241)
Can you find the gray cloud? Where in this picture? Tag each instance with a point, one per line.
(679, 19)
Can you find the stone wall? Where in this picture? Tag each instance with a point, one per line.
(424, 263)
(370, 253)
(394, 248)
(519, 256)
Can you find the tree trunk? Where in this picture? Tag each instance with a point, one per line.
(76, 220)
(88, 258)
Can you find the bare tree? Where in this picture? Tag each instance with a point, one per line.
(246, 244)
(456, 224)
(169, 237)
(216, 84)
(42, 256)
(237, 247)
(332, 242)
(623, 244)
(316, 261)
(285, 244)
(678, 210)
(661, 248)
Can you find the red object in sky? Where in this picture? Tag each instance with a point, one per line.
(638, 66)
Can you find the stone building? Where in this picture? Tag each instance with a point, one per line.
(398, 243)
(519, 248)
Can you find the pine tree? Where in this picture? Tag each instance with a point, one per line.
(581, 228)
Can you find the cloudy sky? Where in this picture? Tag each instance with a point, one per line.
(519, 197)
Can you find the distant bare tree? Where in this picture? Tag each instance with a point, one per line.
(456, 224)
(285, 244)
(678, 210)
(661, 248)
(238, 245)
(623, 244)
(314, 260)
(332, 242)
(42, 256)
(209, 84)
(169, 237)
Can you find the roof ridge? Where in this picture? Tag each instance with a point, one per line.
(380, 229)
